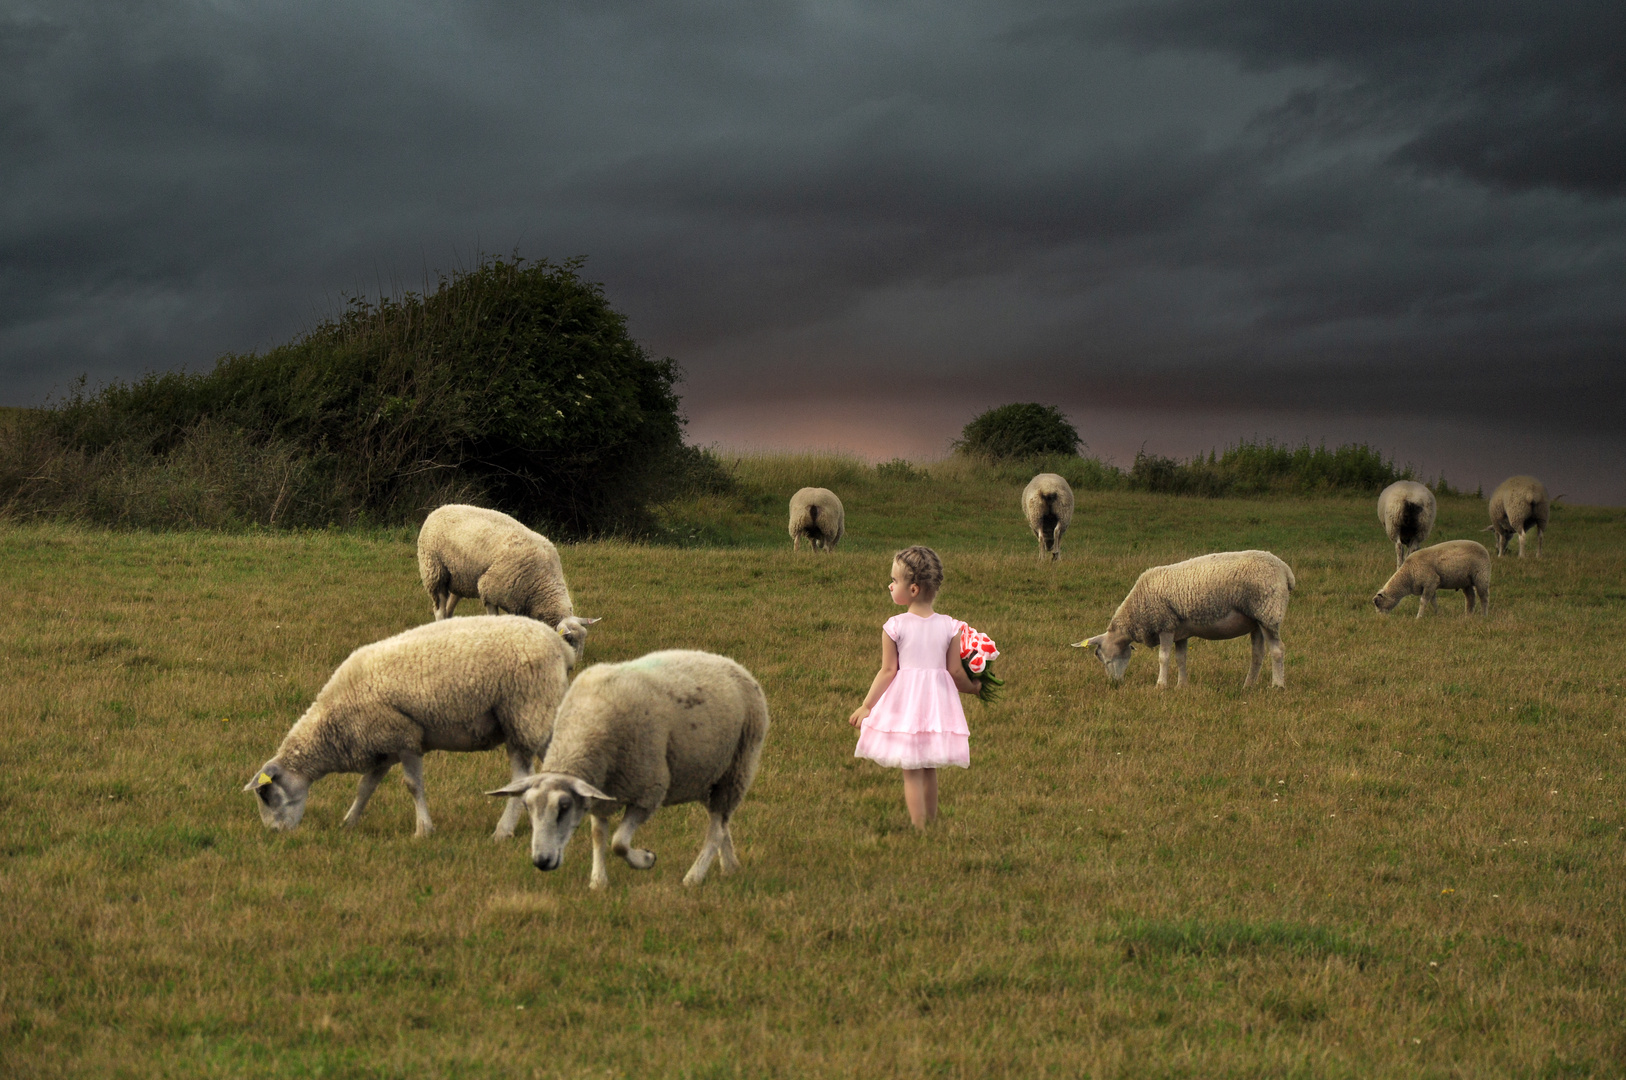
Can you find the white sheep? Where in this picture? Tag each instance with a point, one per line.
(1455, 564)
(460, 685)
(1048, 503)
(472, 551)
(1518, 503)
(1406, 509)
(816, 513)
(668, 728)
(1219, 596)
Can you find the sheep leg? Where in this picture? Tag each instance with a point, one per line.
(725, 848)
(443, 600)
(716, 829)
(1427, 600)
(1180, 661)
(519, 764)
(600, 878)
(1541, 530)
(1468, 594)
(1257, 639)
(412, 771)
(1400, 553)
(1165, 644)
(1278, 657)
(795, 542)
(621, 842)
(364, 791)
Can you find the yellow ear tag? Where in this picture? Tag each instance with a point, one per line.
(263, 779)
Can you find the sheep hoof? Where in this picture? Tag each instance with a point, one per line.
(599, 884)
(691, 879)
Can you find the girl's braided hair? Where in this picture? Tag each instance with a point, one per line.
(924, 567)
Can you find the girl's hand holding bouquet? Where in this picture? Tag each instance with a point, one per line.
(977, 652)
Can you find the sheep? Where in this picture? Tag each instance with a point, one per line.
(1455, 564)
(1219, 596)
(459, 685)
(816, 513)
(1518, 503)
(1048, 503)
(668, 728)
(471, 551)
(1406, 509)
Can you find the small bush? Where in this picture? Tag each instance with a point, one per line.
(899, 469)
(1018, 431)
(1262, 468)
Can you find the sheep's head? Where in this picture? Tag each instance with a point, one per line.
(574, 630)
(1112, 650)
(281, 795)
(1384, 602)
(556, 802)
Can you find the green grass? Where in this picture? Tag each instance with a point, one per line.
(1408, 862)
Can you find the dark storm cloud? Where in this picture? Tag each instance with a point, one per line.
(1202, 202)
(1513, 94)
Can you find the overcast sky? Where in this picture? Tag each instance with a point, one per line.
(858, 224)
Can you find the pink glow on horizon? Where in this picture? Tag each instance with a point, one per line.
(1588, 467)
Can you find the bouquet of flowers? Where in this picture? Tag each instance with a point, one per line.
(977, 651)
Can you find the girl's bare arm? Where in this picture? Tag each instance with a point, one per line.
(964, 683)
(883, 679)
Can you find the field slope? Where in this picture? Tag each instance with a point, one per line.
(1408, 862)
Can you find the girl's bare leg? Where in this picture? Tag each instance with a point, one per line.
(920, 795)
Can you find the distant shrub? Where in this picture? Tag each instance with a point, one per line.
(1259, 468)
(513, 383)
(898, 469)
(1018, 431)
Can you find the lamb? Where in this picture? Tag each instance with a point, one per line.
(1455, 564)
(471, 551)
(1219, 596)
(461, 685)
(816, 514)
(1407, 511)
(668, 728)
(1518, 503)
(1048, 503)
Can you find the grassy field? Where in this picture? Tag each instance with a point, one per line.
(1407, 863)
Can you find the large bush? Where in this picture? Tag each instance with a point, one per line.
(1018, 431)
(512, 383)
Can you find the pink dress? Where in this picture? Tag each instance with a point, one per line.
(918, 723)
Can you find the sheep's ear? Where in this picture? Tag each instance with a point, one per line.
(590, 622)
(587, 791)
(1090, 643)
(518, 787)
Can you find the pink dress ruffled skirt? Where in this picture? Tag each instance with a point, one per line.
(918, 723)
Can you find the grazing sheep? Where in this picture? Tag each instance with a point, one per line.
(668, 728)
(816, 514)
(461, 685)
(1455, 564)
(1048, 503)
(1407, 511)
(1518, 503)
(1218, 596)
(471, 551)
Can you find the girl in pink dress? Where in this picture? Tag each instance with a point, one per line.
(911, 716)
